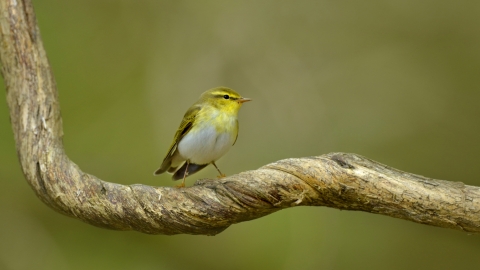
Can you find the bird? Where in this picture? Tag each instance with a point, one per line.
(208, 130)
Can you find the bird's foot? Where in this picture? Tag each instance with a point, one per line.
(221, 176)
(182, 185)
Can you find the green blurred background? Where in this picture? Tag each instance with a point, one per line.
(396, 81)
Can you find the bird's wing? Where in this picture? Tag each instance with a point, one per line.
(236, 137)
(183, 129)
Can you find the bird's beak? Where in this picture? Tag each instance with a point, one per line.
(242, 100)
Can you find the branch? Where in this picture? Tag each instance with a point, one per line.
(338, 180)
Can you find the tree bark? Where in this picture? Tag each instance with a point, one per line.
(338, 180)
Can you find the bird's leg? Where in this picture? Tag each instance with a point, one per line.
(221, 174)
(184, 176)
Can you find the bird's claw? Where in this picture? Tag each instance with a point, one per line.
(182, 185)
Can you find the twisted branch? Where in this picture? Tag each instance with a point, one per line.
(338, 180)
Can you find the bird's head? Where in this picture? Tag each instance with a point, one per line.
(224, 98)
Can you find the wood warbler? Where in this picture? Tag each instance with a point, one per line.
(207, 131)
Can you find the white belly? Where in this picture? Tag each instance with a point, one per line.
(204, 145)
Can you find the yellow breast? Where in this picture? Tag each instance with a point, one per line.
(224, 121)
(212, 136)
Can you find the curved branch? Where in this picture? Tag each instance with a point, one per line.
(342, 181)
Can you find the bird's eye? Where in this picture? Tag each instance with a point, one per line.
(226, 97)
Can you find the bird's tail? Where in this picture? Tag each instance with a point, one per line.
(192, 168)
(164, 167)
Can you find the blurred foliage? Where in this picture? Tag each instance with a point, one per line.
(396, 81)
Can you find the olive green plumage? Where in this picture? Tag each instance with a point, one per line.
(207, 131)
